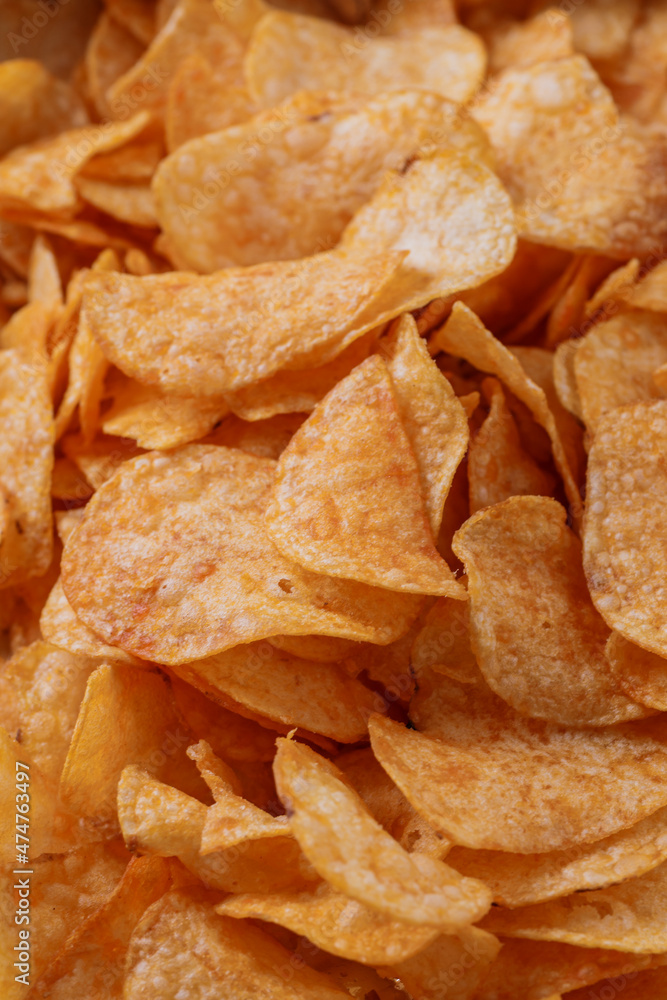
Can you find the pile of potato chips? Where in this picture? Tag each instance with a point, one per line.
(333, 487)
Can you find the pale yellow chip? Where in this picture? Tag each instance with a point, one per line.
(347, 498)
(335, 923)
(537, 638)
(615, 362)
(181, 940)
(323, 167)
(215, 498)
(627, 916)
(590, 784)
(356, 856)
(625, 486)
(289, 52)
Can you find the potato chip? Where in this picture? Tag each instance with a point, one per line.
(564, 378)
(617, 286)
(590, 784)
(44, 284)
(155, 341)
(87, 369)
(100, 458)
(432, 416)
(39, 177)
(623, 563)
(652, 982)
(34, 104)
(212, 202)
(537, 638)
(498, 466)
(297, 392)
(133, 163)
(158, 819)
(532, 968)
(369, 523)
(154, 419)
(357, 857)
(45, 817)
(522, 879)
(463, 335)
(521, 43)
(219, 32)
(418, 14)
(92, 961)
(111, 51)
(26, 461)
(629, 916)
(181, 939)
(216, 496)
(138, 16)
(263, 438)
(289, 52)
(615, 361)
(108, 736)
(601, 28)
(648, 293)
(559, 142)
(131, 203)
(457, 964)
(443, 643)
(200, 100)
(41, 689)
(332, 921)
(640, 673)
(568, 312)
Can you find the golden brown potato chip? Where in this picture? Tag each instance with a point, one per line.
(522, 879)
(87, 369)
(457, 964)
(41, 689)
(181, 940)
(614, 363)
(432, 416)
(556, 786)
(34, 104)
(127, 716)
(158, 819)
(215, 498)
(335, 923)
(648, 293)
(289, 52)
(154, 419)
(498, 465)
(521, 43)
(574, 170)
(568, 312)
(601, 28)
(564, 378)
(464, 336)
(650, 983)
(537, 638)
(263, 438)
(100, 458)
(532, 968)
(625, 483)
(356, 856)
(628, 916)
(366, 521)
(640, 673)
(40, 177)
(320, 648)
(111, 51)
(44, 283)
(201, 100)
(131, 203)
(92, 961)
(618, 286)
(443, 643)
(289, 310)
(26, 461)
(216, 211)
(133, 163)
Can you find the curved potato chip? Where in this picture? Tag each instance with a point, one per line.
(556, 786)
(640, 673)
(181, 940)
(498, 465)
(335, 923)
(289, 52)
(111, 51)
(347, 498)
(457, 964)
(323, 167)
(131, 203)
(157, 420)
(531, 968)
(629, 916)
(204, 336)
(357, 857)
(158, 819)
(564, 378)
(433, 417)
(519, 43)
(464, 336)
(649, 983)
(537, 638)
(320, 648)
(559, 143)
(625, 568)
(87, 367)
(175, 604)
(40, 177)
(26, 462)
(443, 643)
(523, 879)
(263, 438)
(200, 100)
(614, 363)
(34, 104)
